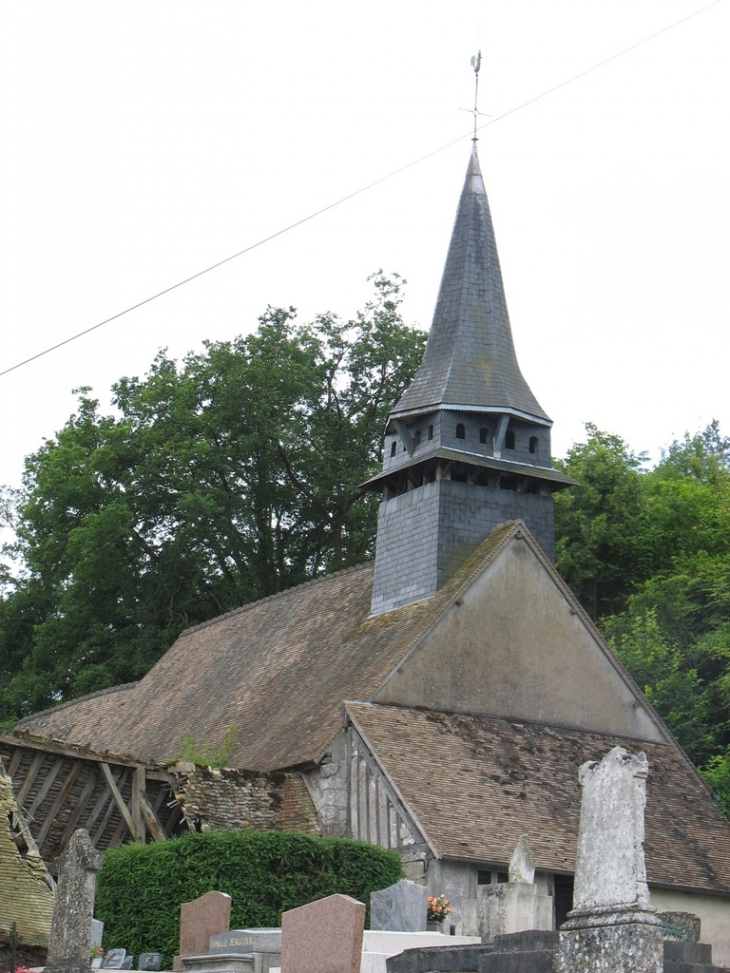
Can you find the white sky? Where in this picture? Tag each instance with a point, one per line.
(144, 141)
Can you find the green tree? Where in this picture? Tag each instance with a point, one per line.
(221, 480)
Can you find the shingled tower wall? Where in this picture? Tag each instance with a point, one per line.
(468, 445)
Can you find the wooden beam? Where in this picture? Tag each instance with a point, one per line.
(155, 828)
(58, 803)
(117, 795)
(30, 777)
(14, 761)
(45, 786)
(81, 805)
(64, 750)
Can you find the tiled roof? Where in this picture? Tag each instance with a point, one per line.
(475, 784)
(278, 670)
(470, 357)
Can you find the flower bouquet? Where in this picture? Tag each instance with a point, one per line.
(438, 908)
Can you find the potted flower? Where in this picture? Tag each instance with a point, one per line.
(438, 909)
(96, 953)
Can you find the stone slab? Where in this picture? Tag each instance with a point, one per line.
(263, 940)
(199, 920)
(401, 907)
(323, 937)
(447, 959)
(387, 941)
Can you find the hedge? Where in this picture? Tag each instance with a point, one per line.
(141, 887)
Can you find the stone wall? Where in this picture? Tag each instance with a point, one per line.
(327, 786)
(228, 799)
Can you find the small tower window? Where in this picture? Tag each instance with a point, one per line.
(533, 445)
(509, 441)
(484, 436)
(430, 432)
(461, 431)
(393, 448)
(417, 438)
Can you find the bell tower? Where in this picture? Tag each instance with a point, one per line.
(468, 445)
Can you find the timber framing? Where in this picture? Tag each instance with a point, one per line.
(60, 788)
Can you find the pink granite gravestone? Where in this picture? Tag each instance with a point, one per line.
(323, 937)
(199, 920)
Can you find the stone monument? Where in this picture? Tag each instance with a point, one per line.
(612, 927)
(323, 937)
(199, 920)
(402, 907)
(70, 940)
(514, 906)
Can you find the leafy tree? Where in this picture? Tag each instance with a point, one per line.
(221, 480)
(598, 541)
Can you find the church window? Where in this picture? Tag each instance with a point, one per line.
(484, 876)
(509, 441)
(484, 436)
(393, 449)
(430, 432)
(502, 877)
(461, 431)
(533, 444)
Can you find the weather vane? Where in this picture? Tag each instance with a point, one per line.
(476, 63)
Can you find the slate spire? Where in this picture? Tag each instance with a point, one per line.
(468, 445)
(470, 360)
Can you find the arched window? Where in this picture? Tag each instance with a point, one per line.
(461, 431)
(484, 436)
(393, 448)
(533, 444)
(509, 441)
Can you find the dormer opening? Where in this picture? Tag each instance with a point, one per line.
(393, 448)
(417, 438)
(509, 440)
(461, 431)
(485, 436)
(430, 432)
(533, 445)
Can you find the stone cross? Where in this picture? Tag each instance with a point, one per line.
(70, 940)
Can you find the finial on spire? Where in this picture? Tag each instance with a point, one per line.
(476, 63)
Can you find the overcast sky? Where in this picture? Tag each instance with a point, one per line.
(145, 141)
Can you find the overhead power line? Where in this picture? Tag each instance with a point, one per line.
(358, 192)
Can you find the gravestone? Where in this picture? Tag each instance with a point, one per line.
(114, 959)
(97, 932)
(402, 907)
(514, 906)
(612, 927)
(199, 920)
(323, 937)
(70, 940)
(150, 962)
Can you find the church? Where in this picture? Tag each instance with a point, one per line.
(439, 700)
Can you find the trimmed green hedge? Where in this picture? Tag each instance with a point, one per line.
(141, 887)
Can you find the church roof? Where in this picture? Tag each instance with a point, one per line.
(470, 358)
(278, 670)
(503, 778)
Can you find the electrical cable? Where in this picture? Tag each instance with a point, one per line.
(357, 192)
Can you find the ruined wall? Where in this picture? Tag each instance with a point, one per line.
(229, 799)
(26, 896)
(327, 786)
